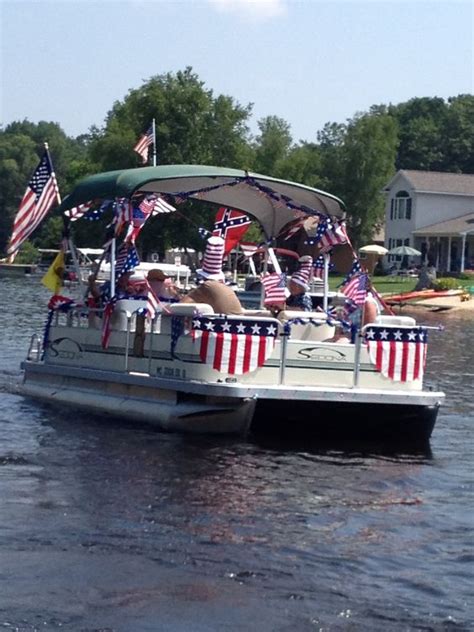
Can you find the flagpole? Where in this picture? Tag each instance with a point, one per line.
(68, 240)
(153, 126)
(112, 268)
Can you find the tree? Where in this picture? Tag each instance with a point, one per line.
(368, 157)
(272, 145)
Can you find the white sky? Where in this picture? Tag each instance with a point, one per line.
(306, 61)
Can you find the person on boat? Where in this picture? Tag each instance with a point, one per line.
(299, 298)
(212, 288)
(162, 286)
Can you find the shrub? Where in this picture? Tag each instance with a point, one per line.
(446, 283)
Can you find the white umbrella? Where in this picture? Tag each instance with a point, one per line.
(405, 250)
(374, 249)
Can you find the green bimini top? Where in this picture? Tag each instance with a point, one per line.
(272, 202)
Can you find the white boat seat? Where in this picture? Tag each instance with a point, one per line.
(308, 331)
(395, 321)
(123, 310)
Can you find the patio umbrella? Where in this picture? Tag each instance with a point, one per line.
(374, 249)
(405, 250)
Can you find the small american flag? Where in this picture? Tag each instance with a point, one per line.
(177, 330)
(355, 269)
(398, 353)
(330, 233)
(40, 195)
(204, 233)
(318, 267)
(233, 346)
(143, 143)
(356, 289)
(127, 259)
(162, 206)
(274, 285)
(122, 214)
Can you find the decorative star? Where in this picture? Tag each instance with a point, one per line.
(271, 330)
(422, 336)
(197, 324)
(370, 333)
(397, 335)
(256, 329)
(209, 326)
(225, 326)
(384, 335)
(411, 336)
(240, 328)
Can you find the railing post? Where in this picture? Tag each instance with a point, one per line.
(284, 348)
(127, 341)
(357, 350)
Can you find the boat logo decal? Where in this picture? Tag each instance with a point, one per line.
(322, 354)
(69, 349)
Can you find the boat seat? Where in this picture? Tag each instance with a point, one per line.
(258, 313)
(395, 321)
(124, 308)
(308, 331)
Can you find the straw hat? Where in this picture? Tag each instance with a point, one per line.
(156, 275)
(212, 260)
(303, 274)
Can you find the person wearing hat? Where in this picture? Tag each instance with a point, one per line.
(299, 298)
(162, 286)
(212, 289)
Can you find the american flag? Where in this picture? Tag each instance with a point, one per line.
(40, 195)
(318, 267)
(204, 233)
(150, 205)
(330, 233)
(122, 214)
(127, 260)
(177, 330)
(248, 248)
(356, 289)
(79, 211)
(398, 353)
(143, 143)
(355, 268)
(234, 346)
(274, 285)
(231, 225)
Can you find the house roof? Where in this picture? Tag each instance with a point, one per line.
(437, 181)
(456, 226)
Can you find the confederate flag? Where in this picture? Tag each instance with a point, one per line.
(231, 226)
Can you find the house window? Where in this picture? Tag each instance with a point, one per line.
(400, 207)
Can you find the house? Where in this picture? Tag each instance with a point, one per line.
(434, 213)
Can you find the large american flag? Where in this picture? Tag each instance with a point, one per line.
(40, 195)
(274, 285)
(231, 225)
(398, 353)
(330, 233)
(356, 289)
(143, 143)
(234, 346)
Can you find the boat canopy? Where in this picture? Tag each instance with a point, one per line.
(272, 202)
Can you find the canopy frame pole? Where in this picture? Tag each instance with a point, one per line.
(326, 281)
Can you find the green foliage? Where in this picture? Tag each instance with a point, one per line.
(353, 160)
(447, 283)
(27, 254)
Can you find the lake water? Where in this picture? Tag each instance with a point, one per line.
(109, 527)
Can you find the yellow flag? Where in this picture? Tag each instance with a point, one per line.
(53, 279)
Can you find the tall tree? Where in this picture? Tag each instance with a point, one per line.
(368, 156)
(272, 145)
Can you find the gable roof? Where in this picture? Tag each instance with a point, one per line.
(455, 226)
(437, 181)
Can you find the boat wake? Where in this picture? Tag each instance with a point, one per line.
(9, 381)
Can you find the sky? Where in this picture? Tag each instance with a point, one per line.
(308, 62)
